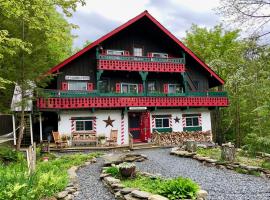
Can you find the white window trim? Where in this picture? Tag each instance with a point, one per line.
(84, 126)
(137, 85)
(192, 121)
(115, 52)
(162, 122)
(78, 82)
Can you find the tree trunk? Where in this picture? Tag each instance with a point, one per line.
(21, 130)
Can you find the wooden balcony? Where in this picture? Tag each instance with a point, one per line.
(136, 63)
(69, 100)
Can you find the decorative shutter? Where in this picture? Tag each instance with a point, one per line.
(118, 88)
(140, 88)
(165, 88)
(64, 86)
(90, 86)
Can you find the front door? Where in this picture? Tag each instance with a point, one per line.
(139, 126)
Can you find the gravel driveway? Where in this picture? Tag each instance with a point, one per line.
(91, 188)
(220, 184)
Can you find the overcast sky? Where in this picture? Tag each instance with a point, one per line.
(99, 17)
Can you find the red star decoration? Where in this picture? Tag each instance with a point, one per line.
(176, 119)
(109, 122)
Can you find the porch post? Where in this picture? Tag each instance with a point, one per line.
(99, 73)
(144, 76)
(31, 129)
(183, 74)
(14, 129)
(40, 127)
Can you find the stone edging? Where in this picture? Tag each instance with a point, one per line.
(215, 163)
(72, 188)
(123, 193)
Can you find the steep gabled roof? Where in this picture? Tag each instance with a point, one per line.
(125, 25)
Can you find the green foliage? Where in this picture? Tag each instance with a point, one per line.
(8, 155)
(114, 171)
(177, 188)
(49, 177)
(213, 153)
(266, 164)
(257, 143)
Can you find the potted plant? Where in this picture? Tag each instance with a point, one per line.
(102, 139)
(127, 169)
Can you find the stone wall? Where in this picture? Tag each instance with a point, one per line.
(178, 138)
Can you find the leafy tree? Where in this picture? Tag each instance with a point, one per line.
(38, 37)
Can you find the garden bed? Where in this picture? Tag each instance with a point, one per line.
(48, 179)
(257, 166)
(149, 186)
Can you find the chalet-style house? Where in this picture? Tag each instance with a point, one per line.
(137, 79)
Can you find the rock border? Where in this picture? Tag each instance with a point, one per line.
(124, 193)
(72, 188)
(221, 165)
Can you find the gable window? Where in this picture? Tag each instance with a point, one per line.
(84, 125)
(174, 88)
(115, 52)
(77, 85)
(137, 51)
(129, 88)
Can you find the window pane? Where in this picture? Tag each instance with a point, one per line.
(151, 87)
(195, 121)
(79, 126)
(137, 51)
(166, 123)
(88, 125)
(188, 121)
(124, 88)
(172, 88)
(133, 88)
(73, 85)
(159, 123)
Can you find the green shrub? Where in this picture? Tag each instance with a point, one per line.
(8, 155)
(177, 188)
(266, 164)
(49, 178)
(114, 171)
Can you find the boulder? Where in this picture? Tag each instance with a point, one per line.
(69, 197)
(62, 195)
(130, 197)
(157, 197)
(103, 175)
(202, 194)
(140, 194)
(127, 190)
(110, 180)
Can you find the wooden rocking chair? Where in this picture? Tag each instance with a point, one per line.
(58, 141)
(113, 137)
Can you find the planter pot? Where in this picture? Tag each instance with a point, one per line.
(128, 172)
(45, 159)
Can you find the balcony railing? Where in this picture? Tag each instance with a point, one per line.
(94, 93)
(140, 63)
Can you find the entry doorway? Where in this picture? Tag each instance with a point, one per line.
(139, 126)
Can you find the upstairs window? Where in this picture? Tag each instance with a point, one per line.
(151, 87)
(129, 88)
(77, 85)
(116, 52)
(159, 55)
(137, 52)
(192, 120)
(174, 88)
(84, 125)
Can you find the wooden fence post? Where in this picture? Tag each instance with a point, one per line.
(31, 158)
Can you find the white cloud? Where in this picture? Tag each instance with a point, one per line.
(99, 17)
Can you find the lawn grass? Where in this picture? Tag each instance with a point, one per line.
(49, 178)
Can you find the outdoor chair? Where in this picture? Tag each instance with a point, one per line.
(113, 137)
(58, 141)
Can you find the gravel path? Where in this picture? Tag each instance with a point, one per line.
(220, 184)
(91, 188)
